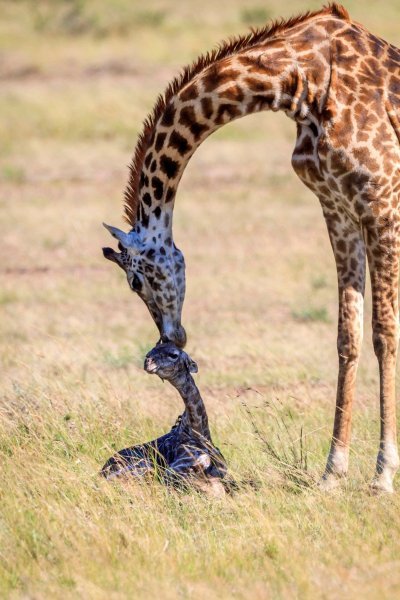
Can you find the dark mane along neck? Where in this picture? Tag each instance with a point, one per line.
(189, 111)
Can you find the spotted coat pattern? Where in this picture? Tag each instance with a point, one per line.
(341, 85)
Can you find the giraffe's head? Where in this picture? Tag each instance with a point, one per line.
(167, 361)
(155, 270)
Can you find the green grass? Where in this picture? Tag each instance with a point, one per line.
(78, 77)
(13, 174)
(311, 313)
(255, 15)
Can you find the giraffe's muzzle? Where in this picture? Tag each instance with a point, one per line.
(150, 366)
(176, 335)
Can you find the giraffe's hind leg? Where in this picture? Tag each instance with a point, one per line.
(348, 247)
(189, 471)
(383, 258)
(188, 463)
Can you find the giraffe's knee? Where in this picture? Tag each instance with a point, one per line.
(349, 348)
(350, 327)
(385, 341)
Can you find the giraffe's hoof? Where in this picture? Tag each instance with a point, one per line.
(381, 485)
(329, 482)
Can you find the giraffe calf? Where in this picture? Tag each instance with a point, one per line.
(186, 455)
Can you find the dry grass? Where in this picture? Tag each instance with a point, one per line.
(77, 78)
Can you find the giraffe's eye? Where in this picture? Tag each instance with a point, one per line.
(136, 284)
(173, 355)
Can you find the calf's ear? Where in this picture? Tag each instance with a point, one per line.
(191, 365)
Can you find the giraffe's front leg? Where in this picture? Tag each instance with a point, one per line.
(189, 469)
(349, 251)
(383, 257)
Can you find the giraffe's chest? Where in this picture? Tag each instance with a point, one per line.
(338, 178)
(312, 168)
(349, 177)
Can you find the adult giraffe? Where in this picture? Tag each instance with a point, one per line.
(341, 85)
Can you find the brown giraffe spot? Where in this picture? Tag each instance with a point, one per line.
(347, 81)
(363, 155)
(188, 119)
(259, 102)
(207, 107)
(169, 166)
(369, 73)
(157, 187)
(394, 88)
(170, 195)
(329, 204)
(324, 190)
(215, 77)
(362, 136)
(144, 218)
(253, 65)
(230, 110)
(341, 246)
(333, 186)
(168, 116)
(147, 199)
(187, 116)
(157, 212)
(160, 139)
(306, 147)
(377, 47)
(144, 180)
(365, 119)
(234, 93)
(346, 59)
(359, 207)
(189, 93)
(344, 129)
(355, 40)
(353, 182)
(198, 130)
(180, 143)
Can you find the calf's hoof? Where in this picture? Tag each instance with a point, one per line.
(212, 487)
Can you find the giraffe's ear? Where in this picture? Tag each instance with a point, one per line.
(128, 240)
(110, 254)
(191, 365)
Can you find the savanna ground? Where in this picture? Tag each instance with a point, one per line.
(77, 78)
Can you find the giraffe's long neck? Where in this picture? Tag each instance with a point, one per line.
(278, 75)
(195, 416)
